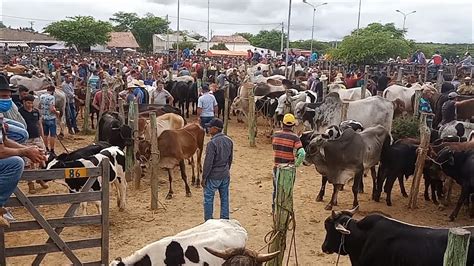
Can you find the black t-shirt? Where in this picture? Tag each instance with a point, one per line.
(31, 118)
(382, 83)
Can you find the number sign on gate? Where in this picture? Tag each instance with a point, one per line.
(75, 172)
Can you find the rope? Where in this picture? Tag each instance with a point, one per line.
(341, 246)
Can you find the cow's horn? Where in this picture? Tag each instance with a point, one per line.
(266, 257)
(353, 210)
(341, 229)
(334, 214)
(225, 255)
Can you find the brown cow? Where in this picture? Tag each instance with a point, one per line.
(465, 110)
(16, 69)
(175, 147)
(163, 122)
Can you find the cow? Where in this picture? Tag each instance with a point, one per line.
(113, 130)
(163, 122)
(180, 91)
(33, 84)
(456, 128)
(458, 165)
(188, 247)
(305, 113)
(346, 157)
(83, 152)
(465, 110)
(15, 69)
(175, 146)
(349, 94)
(379, 240)
(371, 111)
(117, 172)
(402, 93)
(288, 101)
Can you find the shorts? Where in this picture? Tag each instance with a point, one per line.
(49, 127)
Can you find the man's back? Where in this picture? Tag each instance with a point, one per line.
(207, 103)
(221, 147)
(284, 143)
(46, 101)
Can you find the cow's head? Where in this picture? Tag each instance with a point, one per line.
(445, 157)
(333, 132)
(337, 227)
(144, 151)
(242, 256)
(300, 110)
(126, 134)
(356, 126)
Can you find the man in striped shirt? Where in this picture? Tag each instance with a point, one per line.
(285, 143)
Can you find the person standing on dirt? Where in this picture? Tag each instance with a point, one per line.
(49, 113)
(216, 169)
(285, 143)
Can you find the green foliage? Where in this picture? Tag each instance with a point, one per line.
(446, 50)
(184, 44)
(142, 28)
(320, 47)
(124, 21)
(82, 31)
(219, 46)
(404, 127)
(373, 44)
(246, 35)
(264, 39)
(2, 25)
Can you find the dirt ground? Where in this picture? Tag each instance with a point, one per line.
(251, 189)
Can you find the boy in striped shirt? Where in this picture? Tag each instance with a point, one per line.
(285, 143)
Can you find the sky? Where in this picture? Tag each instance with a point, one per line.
(445, 21)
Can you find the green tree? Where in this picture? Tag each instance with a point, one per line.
(373, 44)
(124, 21)
(82, 31)
(246, 35)
(320, 47)
(184, 45)
(219, 46)
(267, 39)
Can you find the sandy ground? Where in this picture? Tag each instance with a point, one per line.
(251, 189)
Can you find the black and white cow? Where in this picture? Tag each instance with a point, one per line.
(188, 247)
(117, 174)
(112, 129)
(378, 240)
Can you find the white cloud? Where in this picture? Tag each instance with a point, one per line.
(436, 21)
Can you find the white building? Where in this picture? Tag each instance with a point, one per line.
(164, 42)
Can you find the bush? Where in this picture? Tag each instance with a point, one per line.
(405, 126)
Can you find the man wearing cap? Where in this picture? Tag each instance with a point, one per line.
(466, 88)
(207, 107)
(448, 110)
(285, 143)
(11, 163)
(160, 95)
(216, 169)
(15, 125)
(49, 113)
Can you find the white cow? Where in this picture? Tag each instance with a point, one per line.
(187, 247)
(33, 84)
(288, 104)
(349, 94)
(371, 111)
(403, 93)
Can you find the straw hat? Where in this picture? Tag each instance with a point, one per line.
(323, 77)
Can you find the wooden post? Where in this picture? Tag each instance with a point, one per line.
(420, 161)
(121, 110)
(137, 170)
(330, 70)
(252, 123)
(155, 158)
(58, 77)
(85, 127)
(366, 81)
(345, 105)
(400, 75)
(325, 89)
(226, 108)
(416, 107)
(472, 72)
(129, 156)
(283, 211)
(204, 73)
(439, 80)
(426, 74)
(102, 109)
(457, 248)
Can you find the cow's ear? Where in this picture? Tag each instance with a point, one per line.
(341, 229)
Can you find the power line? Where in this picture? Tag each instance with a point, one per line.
(229, 23)
(26, 18)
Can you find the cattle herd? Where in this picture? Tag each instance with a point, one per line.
(345, 135)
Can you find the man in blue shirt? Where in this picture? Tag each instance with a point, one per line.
(207, 107)
(216, 170)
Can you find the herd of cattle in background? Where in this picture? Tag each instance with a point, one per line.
(364, 136)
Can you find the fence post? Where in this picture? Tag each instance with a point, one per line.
(330, 72)
(345, 105)
(137, 169)
(457, 248)
(366, 80)
(283, 211)
(420, 161)
(252, 123)
(226, 108)
(121, 110)
(155, 158)
(416, 106)
(105, 93)
(426, 74)
(129, 156)
(439, 80)
(399, 76)
(87, 103)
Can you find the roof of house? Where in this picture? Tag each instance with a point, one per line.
(229, 39)
(25, 36)
(122, 40)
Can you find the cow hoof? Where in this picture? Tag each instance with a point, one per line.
(319, 198)
(188, 194)
(361, 191)
(328, 207)
(169, 196)
(451, 218)
(435, 202)
(405, 195)
(121, 209)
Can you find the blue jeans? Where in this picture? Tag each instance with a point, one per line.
(71, 115)
(204, 121)
(11, 169)
(211, 186)
(16, 131)
(49, 128)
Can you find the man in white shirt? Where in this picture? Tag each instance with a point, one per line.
(207, 107)
(160, 95)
